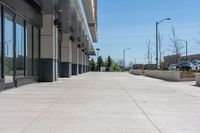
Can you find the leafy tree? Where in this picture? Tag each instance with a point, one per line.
(92, 64)
(100, 63)
(108, 63)
(116, 67)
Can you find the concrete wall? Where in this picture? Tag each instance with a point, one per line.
(75, 59)
(136, 72)
(80, 61)
(48, 49)
(197, 78)
(165, 75)
(66, 56)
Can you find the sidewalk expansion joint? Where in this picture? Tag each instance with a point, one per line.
(139, 107)
(44, 111)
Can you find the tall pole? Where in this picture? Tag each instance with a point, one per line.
(157, 45)
(98, 49)
(157, 23)
(97, 54)
(186, 51)
(124, 59)
(124, 56)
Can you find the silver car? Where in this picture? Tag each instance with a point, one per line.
(173, 67)
(196, 64)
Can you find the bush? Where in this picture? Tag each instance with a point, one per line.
(116, 68)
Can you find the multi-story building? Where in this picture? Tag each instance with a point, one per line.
(42, 40)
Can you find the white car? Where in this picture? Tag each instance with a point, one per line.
(196, 64)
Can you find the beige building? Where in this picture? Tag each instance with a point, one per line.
(45, 39)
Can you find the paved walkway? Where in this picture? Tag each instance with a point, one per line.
(102, 103)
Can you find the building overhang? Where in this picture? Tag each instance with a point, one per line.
(63, 9)
(91, 16)
(92, 51)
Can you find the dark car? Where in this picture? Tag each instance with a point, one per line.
(185, 65)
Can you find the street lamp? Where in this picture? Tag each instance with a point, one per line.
(124, 56)
(97, 49)
(186, 48)
(157, 23)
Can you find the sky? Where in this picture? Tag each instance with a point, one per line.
(129, 23)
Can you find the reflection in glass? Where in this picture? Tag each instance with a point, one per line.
(8, 48)
(0, 49)
(36, 51)
(29, 56)
(20, 48)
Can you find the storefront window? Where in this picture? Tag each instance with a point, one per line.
(29, 49)
(35, 51)
(0, 47)
(19, 47)
(8, 47)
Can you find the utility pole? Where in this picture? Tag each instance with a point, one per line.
(124, 56)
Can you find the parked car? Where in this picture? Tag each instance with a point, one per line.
(186, 65)
(172, 67)
(196, 63)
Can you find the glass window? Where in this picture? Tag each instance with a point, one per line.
(0, 48)
(19, 47)
(8, 47)
(36, 51)
(29, 49)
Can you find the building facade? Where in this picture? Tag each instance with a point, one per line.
(174, 59)
(170, 59)
(42, 40)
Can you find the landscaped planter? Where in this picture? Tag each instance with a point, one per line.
(197, 78)
(165, 75)
(136, 72)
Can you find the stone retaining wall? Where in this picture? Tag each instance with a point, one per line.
(165, 75)
(136, 72)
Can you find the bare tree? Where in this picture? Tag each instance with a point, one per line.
(148, 51)
(197, 40)
(176, 47)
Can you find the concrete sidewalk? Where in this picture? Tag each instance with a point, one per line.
(102, 103)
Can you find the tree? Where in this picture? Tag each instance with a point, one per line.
(108, 63)
(176, 47)
(148, 51)
(116, 67)
(100, 63)
(92, 64)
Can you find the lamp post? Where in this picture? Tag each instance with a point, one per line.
(157, 23)
(97, 49)
(186, 48)
(124, 56)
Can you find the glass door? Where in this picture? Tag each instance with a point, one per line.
(8, 47)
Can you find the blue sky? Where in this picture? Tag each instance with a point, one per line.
(128, 23)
